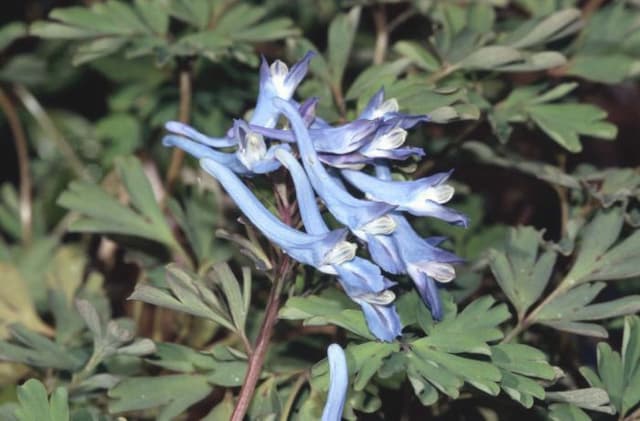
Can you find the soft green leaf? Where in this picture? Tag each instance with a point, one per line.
(35, 405)
(342, 31)
(174, 393)
(519, 270)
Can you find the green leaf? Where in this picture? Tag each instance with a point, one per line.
(593, 399)
(567, 412)
(565, 122)
(418, 55)
(619, 374)
(16, 303)
(596, 260)
(36, 350)
(519, 270)
(540, 31)
(233, 294)
(35, 405)
(315, 310)
(10, 32)
(187, 293)
(342, 31)
(521, 366)
(103, 213)
(470, 330)
(376, 77)
(174, 393)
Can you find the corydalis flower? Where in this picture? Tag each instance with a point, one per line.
(251, 157)
(361, 279)
(421, 197)
(338, 383)
(361, 216)
(337, 140)
(277, 81)
(420, 258)
(320, 251)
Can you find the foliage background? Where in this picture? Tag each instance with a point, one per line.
(535, 105)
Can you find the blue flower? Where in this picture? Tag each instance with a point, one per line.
(337, 140)
(388, 111)
(277, 81)
(189, 132)
(421, 259)
(338, 383)
(361, 279)
(321, 251)
(361, 216)
(421, 197)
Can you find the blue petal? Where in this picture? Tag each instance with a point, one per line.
(191, 133)
(311, 217)
(305, 248)
(337, 140)
(373, 103)
(352, 212)
(275, 86)
(428, 290)
(200, 151)
(359, 277)
(383, 320)
(338, 383)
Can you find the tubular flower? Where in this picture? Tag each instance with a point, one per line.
(338, 383)
(361, 216)
(377, 137)
(421, 197)
(361, 279)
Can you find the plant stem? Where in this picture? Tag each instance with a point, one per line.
(382, 34)
(32, 105)
(531, 317)
(295, 389)
(26, 208)
(184, 111)
(256, 360)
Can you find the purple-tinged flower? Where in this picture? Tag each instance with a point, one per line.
(338, 383)
(389, 112)
(422, 197)
(252, 150)
(200, 151)
(189, 132)
(321, 251)
(337, 140)
(361, 216)
(421, 259)
(277, 81)
(362, 280)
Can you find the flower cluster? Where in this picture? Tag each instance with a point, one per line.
(359, 152)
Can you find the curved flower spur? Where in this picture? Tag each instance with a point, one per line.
(376, 138)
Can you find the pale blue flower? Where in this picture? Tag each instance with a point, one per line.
(421, 197)
(321, 251)
(337, 140)
(388, 111)
(361, 279)
(277, 81)
(421, 259)
(361, 216)
(338, 384)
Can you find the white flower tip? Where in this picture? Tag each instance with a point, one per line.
(389, 106)
(441, 272)
(383, 225)
(392, 140)
(252, 150)
(279, 72)
(342, 252)
(440, 194)
(383, 298)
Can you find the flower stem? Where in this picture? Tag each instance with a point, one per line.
(256, 360)
(25, 209)
(382, 34)
(184, 111)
